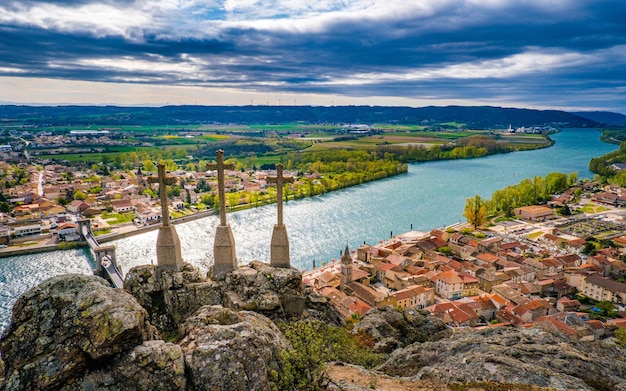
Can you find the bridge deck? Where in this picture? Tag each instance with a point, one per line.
(115, 276)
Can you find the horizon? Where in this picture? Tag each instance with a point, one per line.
(304, 105)
(568, 55)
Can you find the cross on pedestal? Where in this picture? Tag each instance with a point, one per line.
(163, 180)
(220, 167)
(279, 249)
(224, 258)
(279, 180)
(169, 256)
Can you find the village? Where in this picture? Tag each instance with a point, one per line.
(122, 202)
(564, 272)
(538, 268)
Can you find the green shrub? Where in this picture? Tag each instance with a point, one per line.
(312, 345)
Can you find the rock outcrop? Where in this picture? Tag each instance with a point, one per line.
(278, 293)
(75, 332)
(65, 327)
(530, 356)
(228, 350)
(392, 328)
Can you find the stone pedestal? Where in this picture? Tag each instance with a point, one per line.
(225, 260)
(168, 249)
(279, 249)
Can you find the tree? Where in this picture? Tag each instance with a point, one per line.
(150, 193)
(589, 249)
(475, 211)
(79, 195)
(620, 336)
(311, 346)
(148, 165)
(207, 199)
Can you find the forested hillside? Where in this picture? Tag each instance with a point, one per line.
(477, 117)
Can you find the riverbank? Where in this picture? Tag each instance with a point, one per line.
(121, 232)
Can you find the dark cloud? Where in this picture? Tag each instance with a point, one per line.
(277, 59)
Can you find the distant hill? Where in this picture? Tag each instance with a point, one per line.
(603, 117)
(483, 117)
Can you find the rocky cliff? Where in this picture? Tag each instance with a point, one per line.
(513, 355)
(278, 293)
(76, 333)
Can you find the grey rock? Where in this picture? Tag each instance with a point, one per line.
(531, 356)
(151, 366)
(278, 293)
(392, 328)
(66, 324)
(228, 350)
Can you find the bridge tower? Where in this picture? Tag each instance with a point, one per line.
(102, 254)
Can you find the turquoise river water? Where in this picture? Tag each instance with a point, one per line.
(430, 195)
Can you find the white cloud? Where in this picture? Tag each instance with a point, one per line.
(11, 70)
(512, 66)
(127, 64)
(96, 19)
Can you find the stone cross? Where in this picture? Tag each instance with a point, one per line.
(279, 248)
(279, 179)
(163, 180)
(169, 256)
(224, 257)
(220, 167)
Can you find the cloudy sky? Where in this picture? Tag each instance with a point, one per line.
(564, 54)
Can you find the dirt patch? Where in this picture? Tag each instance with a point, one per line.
(346, 377)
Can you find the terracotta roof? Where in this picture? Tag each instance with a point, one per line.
(489, 241)
(554, 324)
(67, 225)
(569, 259)
(536, 304)
(365, 293)
(360, 307)
(510, 317)
(595, 324)
(326, 277)
(490, 258)
(485, 302)
(467, 278)
(606, 283)
(552, 262)
(358, 274)
(510, 245)
(384, 266)
(450, 277)
(462, 313)
(395, 259)
(409, 292)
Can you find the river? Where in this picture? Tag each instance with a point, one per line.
(430, 195)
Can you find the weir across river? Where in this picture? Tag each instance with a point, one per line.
(106, 261)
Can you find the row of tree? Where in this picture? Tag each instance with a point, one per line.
(537, 190)
(604, 166)
(463, 148)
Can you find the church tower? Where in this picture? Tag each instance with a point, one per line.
(346, 270)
